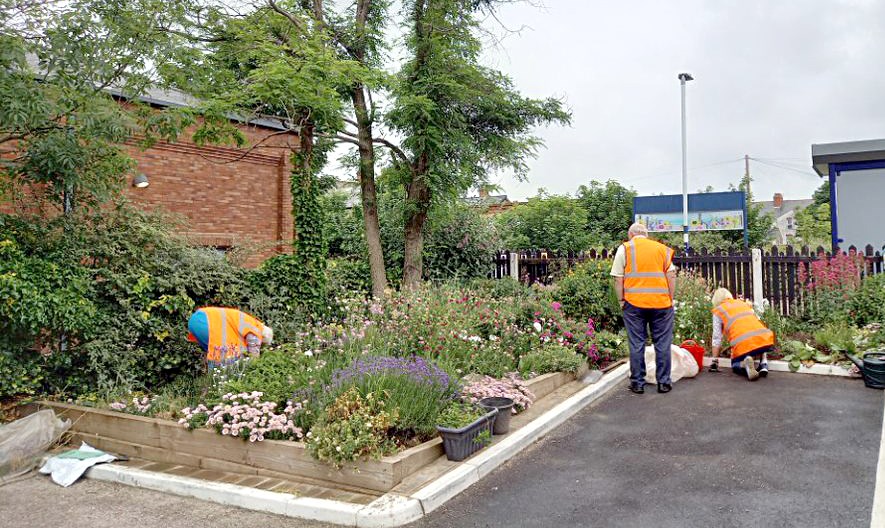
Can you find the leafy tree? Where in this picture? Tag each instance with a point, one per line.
(609, 208)
(546, 222)
(458, 119)
(814, 221)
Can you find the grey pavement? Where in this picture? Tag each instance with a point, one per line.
(718, 451)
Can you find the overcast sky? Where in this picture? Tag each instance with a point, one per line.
(771, 78)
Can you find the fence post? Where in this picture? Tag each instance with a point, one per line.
(757, 278)
(514, 266)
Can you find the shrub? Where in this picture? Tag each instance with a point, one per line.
(510, 386)
(551, 357)
(828, 283)
(610, 347)
(352, 427)
(415, 390)
(586, 293)
(278, 373)
(21, 373)
(693, 307)
(867, 304)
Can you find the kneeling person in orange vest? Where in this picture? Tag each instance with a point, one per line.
(227, 334)
(749, 338)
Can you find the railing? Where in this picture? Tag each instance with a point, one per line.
(780, 283)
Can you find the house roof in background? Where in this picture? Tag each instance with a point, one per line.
(824, 154)
(492, 199)
(788, 205)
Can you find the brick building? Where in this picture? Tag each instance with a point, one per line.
(228, 196)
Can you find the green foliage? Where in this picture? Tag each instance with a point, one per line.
(694, 316)
(278, 374)
(610, 346)
(814, 220)
(550, 357)
(352, 427)
(119, 288)
(460, 414)
(609, 209)
(836, 338)
(797, 353)
(21, 373)
(867, 303)
(546, 222)
(459, 243)
(586, 292)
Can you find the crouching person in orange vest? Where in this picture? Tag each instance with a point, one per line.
(749, 338)
(227, 334)
(645, 281)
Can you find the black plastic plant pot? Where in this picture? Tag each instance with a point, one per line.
(461, 443)
(505, 410)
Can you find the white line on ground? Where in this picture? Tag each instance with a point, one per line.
(878, 517)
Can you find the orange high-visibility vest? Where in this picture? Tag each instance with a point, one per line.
(745, 332)
(229, 327)
(645, 273)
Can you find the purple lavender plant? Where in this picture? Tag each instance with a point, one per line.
(416, 368)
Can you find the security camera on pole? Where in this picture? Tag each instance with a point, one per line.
(683, 78)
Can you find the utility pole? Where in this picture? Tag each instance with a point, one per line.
(747, 171)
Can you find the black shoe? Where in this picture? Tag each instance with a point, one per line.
(636, 388)
(714, 366)
(664, 387)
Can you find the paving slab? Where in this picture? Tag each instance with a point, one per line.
(718, 451)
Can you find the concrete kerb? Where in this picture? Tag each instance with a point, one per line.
(388, 510)
(775, 365)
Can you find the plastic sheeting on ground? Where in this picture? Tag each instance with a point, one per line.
(23, 442)
(69, 466)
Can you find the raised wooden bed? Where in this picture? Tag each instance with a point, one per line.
(165, 441)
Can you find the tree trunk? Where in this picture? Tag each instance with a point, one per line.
(368, 193)
(418, 197)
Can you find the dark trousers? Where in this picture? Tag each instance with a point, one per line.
(638, 322)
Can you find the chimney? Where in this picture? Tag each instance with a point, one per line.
(778, 200)
(483, 193)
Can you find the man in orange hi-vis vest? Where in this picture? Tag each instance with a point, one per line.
(645, 281)
(227, 334)
(748, 337)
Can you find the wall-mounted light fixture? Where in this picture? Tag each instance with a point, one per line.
(140, 180)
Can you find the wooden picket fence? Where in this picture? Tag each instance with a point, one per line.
(730, 269)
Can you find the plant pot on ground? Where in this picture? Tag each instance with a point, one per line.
(465, 429)
(504, 406)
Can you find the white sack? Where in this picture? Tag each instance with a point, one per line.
(682, 364)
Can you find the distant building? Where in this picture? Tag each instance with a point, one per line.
(856, 170)
(229, 196)
(492, 203)
(784, 214)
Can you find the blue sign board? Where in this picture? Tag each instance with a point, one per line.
(715, 211)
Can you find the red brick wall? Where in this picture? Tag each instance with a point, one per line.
(229, 196)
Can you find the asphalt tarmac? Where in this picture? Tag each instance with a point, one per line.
(717, 451)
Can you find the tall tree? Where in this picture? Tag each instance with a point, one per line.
(814, 221)
(609, 208)
(459, 120)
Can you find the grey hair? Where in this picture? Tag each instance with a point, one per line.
(637, 229)
(267, 337)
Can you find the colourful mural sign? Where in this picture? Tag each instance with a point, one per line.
(697, 221)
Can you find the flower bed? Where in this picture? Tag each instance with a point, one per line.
(166, 441)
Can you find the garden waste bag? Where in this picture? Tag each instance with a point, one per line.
(682, 364)
(23, 442)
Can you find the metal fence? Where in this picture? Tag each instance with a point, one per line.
(780, 268)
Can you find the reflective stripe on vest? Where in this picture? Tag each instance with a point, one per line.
(645, 273)
(745, 332)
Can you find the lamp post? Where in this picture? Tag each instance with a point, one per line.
(683, 78)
